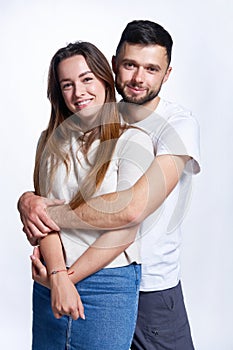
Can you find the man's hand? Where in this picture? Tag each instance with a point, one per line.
(36, 223)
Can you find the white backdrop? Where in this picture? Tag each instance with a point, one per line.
(31, 32)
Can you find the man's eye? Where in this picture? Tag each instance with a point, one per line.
(129, 65)
(152, 69)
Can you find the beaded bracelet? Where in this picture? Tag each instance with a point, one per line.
(54, 272)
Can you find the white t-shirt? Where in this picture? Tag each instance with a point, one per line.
(173, 130)
(132, 156)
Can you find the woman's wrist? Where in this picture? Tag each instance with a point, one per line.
(54, 272)
(72, 275)
(57, 279)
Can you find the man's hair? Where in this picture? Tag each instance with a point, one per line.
(145, 32)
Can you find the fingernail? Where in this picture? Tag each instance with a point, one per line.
(83, 317)
(32, 257)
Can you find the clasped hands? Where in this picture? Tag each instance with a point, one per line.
(65, 299)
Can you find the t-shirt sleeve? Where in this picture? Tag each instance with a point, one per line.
(135, 154)
(181, 136)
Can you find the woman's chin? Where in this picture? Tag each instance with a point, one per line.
(88, 116)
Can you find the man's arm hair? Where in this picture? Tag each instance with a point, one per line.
(128, 207)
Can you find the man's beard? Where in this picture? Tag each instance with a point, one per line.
(134, 99)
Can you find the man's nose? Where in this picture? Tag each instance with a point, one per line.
(138, 76)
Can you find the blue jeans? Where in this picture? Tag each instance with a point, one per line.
(110, 299)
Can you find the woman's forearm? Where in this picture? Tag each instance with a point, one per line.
(65, 299)
(52, 252)
(105, 249)
(101, 253)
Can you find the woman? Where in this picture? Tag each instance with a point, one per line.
(84, 152)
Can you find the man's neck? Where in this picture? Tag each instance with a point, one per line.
(133, 113)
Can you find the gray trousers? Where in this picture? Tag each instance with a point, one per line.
(162, 322)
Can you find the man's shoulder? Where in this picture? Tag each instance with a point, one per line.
(169, 110)
(133, 132)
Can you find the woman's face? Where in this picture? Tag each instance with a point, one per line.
(83, 93)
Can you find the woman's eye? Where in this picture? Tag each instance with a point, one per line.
(87, 79)
(67, 86)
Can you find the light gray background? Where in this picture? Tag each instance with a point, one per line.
(31, 32)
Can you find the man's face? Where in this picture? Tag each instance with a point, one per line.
(140, 72)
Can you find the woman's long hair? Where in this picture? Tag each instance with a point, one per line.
(52, 148)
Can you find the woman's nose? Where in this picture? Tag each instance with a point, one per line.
(79, 90)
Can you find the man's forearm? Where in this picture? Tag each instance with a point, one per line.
(129, 207)
(106, 212)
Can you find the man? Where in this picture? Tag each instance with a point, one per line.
(141, 66)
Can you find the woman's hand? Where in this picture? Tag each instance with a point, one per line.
(39, 271)
(65, 299)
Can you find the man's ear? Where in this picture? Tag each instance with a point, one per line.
(166, 76)
(114, 64)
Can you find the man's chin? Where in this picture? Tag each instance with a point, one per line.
(136, 100)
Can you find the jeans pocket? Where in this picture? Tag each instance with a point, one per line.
(169, 297)
(137, 269)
